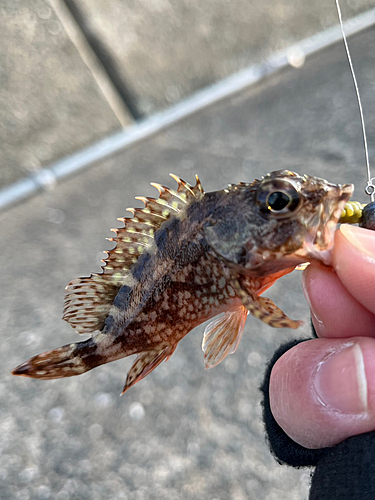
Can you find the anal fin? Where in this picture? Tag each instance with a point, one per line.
(222, 336)
(145, 363)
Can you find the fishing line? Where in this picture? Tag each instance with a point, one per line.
(370, 187)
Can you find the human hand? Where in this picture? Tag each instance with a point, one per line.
(323, 390)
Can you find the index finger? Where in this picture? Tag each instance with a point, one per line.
(354, 262)
(342, 301)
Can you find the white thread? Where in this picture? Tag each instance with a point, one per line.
(370, 188)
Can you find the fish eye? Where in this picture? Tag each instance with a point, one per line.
(278, 198)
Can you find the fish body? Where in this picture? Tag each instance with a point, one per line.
(186, 257)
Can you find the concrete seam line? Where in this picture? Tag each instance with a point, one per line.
(92, 62)
(47, 177)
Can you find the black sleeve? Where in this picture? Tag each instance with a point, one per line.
(344, 472)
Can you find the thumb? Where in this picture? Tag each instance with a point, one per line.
(323, 391)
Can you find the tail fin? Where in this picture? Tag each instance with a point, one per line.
(65, 361)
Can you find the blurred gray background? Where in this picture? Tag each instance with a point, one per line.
(146, 54)
(73, 73)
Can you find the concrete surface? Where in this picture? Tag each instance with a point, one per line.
(165, 50)
(50, 104)
(155, 53)
(182, 433)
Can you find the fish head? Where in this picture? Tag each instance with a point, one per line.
(280, 221)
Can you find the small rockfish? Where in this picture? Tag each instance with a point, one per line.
(186, 257)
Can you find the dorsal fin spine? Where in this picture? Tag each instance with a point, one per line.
(198, 185)
(182, 185)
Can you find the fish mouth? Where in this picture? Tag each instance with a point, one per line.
(319, 240)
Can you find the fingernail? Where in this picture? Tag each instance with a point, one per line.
(318, 323)
(340, 381)
(363, 239)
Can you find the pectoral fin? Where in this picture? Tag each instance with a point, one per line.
(222, 336)
(264, 309)
(145, 363)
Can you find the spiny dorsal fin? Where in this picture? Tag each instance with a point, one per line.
(190, 191)
(88, 300)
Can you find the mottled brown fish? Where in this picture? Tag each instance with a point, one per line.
(186, 257)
